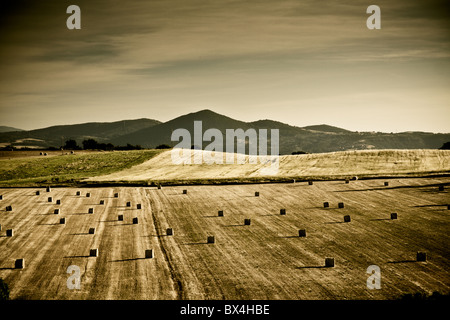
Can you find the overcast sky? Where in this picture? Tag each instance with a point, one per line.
(299, 62)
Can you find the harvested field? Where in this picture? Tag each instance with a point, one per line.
(265, 260)
(333, 165)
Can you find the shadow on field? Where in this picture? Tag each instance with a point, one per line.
(194, 243)
(380, 219)
(431, 205)
(70, 257)
(79, 234)
(6, 268)
(402, 261)
(334, 222)
(233, 225)
(312, 267)
(434, 186)
(129, 259)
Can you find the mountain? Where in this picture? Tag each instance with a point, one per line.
(8, 129)
(151, 133)
(57, 135)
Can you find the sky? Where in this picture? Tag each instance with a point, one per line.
(299, 62)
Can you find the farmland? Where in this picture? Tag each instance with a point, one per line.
(263, 260)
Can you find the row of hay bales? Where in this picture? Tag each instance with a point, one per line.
(20, 263)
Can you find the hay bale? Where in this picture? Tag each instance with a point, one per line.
(421, 256)
(448, 207)
(38, 193)
(40, 153)
(135, 220)
(393, 215)
(329, 262)
(128, 204)
(120, 217)
(139, 206)
(58, 201)
(116, 195)
(148, 254)
(19, 264)
(9, 232)
(326, 204)
(347, 218)
(184, 191)
(62, 221)
(48, 189)
(91, 230)
(355, 178)
(247, 222)
(0, 227)
(159, 185)
(210, 239)
(93, 253)
(347, 181)
(91, 210)
(220, 213)
(56, 211)
(1, 197)
(310, 183)
(386, 183)
(50, 199)
(441, 187)
(256, 194)
(169, 232)
(8, 208)
(282, 212)
(302, 233)
(78, 193)
(102, 202)
(340, 205)
(88, 195)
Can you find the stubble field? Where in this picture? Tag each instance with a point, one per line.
(263, 260)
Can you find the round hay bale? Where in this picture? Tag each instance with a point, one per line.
(91, 230)
(48, 189)
(50, 199)
(102, 202)
(326, 204)
(120, 217)
(0, 227)
(8, 208)
(256, 194)
(88, 195)
(210, 239)
(38, 193)
(116, 195)
(62, 221)
(93, 253)
(128, 204)
(91, 210)
(1, 197)
(347, 181)
(169, 232)
(329, 262)
(58, 201)
(282, 212)
(185, 191)
(78, 193)
(9, 232)
(139, 206)
(220, 213)
(393, 215)
(340, 205)
(148, 254)
(310, 183)
(441, 187)
(355, 178)
(247, 222)
(421, 256)
(347, 218)
(135, 220)
(386, 183)
(19, 264)
(302, 233)
(159, 185)
(56, 211)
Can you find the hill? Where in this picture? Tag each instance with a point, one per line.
(56, 135)
(8, 129)
(151, 133)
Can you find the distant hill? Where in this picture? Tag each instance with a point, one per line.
(151, 133)
(52, 136)
(8, 129)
